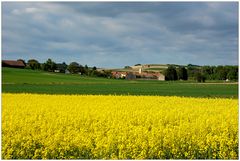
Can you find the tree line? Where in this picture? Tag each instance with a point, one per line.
(173, 72)
(202, 73)
(73, 68)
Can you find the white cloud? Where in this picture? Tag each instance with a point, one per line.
(16, 12)
(32, 10)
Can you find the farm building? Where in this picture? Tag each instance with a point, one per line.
(13, 64)
(161, 77)
(134, 75)
(60, 68)
(130, 76)
(151, 75)
(119, 74)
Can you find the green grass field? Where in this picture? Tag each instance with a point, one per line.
(29, 81)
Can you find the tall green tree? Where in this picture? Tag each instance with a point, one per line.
(49, 65)
(182, 73)
(73, 67)
(233, 73)
(33, 64)
(221, 72)
(191, 70)
(87, 71)
(82, 69)
(64, 66)
(208, 72)
(94, 68)
(171, 73)
(200, 77)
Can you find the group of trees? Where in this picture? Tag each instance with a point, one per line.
(176, 74)
(202, 73)
(220, 72)
(73, 68)
(49, 66)
(193, 72)
(33, 64)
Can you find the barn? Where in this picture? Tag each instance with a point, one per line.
(13, 64)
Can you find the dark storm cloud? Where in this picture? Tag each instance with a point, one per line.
(118, 34)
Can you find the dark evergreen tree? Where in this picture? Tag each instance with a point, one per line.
(94, 68)
(82, 69)
(171, 73)
(182, 73)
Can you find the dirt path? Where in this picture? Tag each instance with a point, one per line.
(216, 83)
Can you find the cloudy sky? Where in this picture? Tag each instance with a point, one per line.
(119, 34)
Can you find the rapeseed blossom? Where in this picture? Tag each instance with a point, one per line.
(40, 126)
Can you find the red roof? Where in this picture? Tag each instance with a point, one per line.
(13, 63)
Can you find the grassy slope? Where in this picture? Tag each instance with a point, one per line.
(24, 76)
(21, 80)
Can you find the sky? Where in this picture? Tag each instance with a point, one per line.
(118, 34)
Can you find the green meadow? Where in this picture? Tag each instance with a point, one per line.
(31, 81)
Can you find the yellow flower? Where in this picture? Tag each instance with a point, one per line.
(36, 126)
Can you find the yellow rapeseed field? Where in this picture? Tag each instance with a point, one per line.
(38, 126)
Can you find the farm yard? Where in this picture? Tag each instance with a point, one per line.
(58, 116)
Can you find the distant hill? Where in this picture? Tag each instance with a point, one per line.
(147, 67)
